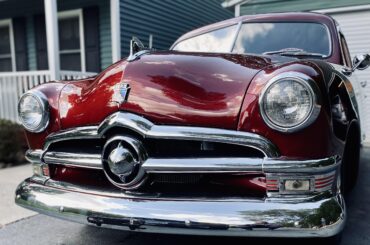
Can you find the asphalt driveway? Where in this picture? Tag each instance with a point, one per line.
(41, 229)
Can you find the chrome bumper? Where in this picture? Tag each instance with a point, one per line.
(322, 215)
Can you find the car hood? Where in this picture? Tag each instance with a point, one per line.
(176, 88)
(191, 88)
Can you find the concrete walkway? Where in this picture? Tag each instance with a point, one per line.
(9, 179)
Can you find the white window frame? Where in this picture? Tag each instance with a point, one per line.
(73, 14)
(9, 23)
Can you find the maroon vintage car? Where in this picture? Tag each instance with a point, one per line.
(247, 127)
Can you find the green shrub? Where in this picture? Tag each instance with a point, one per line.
(12, 143)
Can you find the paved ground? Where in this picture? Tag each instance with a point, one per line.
(41, 229)
(9, 179)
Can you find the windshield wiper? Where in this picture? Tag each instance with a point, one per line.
(293, 52)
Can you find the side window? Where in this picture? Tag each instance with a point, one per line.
(71, 41)
(220, 40)
(6, 54)
(345, 51)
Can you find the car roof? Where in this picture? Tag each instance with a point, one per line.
(289, 16)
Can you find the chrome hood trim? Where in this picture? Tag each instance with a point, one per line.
(149, 130)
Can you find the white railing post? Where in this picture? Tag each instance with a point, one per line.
(14, 84)
(52, 37)
(115, 29)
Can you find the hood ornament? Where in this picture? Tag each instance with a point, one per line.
(137, 49)
(121, 91)
(124, 91)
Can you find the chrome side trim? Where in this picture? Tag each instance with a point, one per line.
(148, 130)
(73, 159)
(244, 217)
(301, 166)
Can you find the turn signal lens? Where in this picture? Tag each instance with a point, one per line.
(41, 170)
(297, 185)
(290, 184)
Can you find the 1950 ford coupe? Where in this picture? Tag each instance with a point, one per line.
(246, 127)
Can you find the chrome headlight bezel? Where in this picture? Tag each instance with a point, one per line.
(315, 96)
(44, 104)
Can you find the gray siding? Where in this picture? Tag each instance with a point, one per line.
(26, 8)
(166, 20)
(104, 24)
(271, 6)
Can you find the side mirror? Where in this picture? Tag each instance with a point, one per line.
(361, 62)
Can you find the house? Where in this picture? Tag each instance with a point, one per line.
(42, 40)
(354, 20)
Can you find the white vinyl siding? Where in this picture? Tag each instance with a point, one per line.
(356, 28)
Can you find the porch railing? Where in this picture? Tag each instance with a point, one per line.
(14, 84)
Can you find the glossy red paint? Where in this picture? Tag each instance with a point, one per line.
(196, 89)
(315, 141)
(190, 88)
(88, 102)
(168, 88)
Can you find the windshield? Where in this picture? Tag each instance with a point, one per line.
(220, 40)
(260, 38)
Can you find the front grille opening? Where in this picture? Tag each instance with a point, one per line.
(167, 185)
(207, 185)
(88, 178)
(163, 148)
(158, 148)
(87, 146)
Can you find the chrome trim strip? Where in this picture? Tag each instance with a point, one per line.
(73, 159)
(243, 217)
(237, 165)
(301, 166)
(89, 132)
(149, 130)
(34, 156)
(203, 165)
(197, 165)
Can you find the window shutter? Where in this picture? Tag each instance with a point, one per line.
(41, 45)
(20, 44)
(91, 36)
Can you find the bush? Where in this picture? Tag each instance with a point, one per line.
(12, 143)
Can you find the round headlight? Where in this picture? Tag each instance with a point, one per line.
(33, 111)
(289, 102)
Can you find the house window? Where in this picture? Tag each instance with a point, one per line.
(7, 60)
(71, 40)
